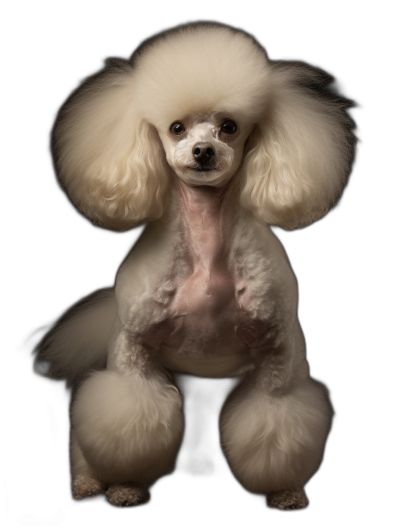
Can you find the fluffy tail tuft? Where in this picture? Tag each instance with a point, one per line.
(78, 341)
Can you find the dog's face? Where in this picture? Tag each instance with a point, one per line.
(206, 149)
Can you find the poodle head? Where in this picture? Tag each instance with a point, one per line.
(203, 102)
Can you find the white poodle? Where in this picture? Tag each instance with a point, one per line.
(203, 137)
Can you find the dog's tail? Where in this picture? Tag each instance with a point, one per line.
(78, 341)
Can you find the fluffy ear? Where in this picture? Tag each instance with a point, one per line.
(109, 161)
(300, 154)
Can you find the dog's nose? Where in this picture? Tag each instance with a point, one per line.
(203, 152)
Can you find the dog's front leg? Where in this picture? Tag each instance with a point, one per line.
(274, 426)
(127, 425)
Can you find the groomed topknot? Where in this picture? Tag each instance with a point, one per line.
(201, 68)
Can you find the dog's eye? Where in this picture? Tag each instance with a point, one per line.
(228, 127)
(177, 128)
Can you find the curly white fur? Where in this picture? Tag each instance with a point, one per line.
(293, 428)
(113, 167)
(203, 136)
(128, 427)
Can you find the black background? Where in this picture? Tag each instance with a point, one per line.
(341, 264)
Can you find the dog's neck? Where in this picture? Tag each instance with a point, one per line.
(205, 214)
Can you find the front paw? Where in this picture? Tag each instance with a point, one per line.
(83, 486)
(288, 499)
(125, 495)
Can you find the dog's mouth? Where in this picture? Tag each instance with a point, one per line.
(202, 169)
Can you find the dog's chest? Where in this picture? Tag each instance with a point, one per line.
(206, 317)
(202, 314)
(198, 329)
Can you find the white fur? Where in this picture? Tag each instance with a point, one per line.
(297, 163)
(128, 427)
(275, 443)
(113, 167)
(118, 161)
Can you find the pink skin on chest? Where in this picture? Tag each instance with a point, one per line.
(202, 312)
